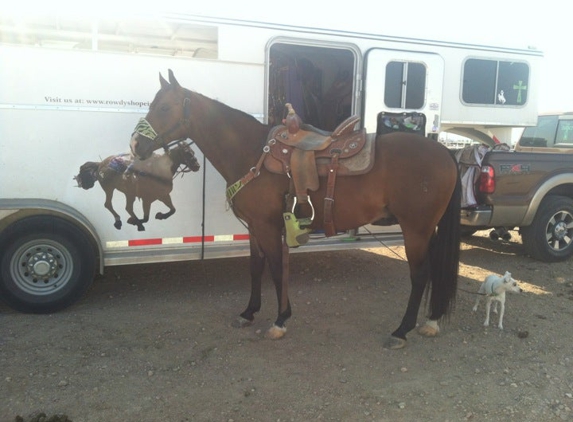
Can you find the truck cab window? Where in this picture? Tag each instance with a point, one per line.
(564, 132)
(541, 135)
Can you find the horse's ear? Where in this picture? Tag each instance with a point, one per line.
(172, 79)
(162, 81)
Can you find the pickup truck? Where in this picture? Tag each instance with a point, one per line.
(529, 188)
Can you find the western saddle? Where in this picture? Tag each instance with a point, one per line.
(306, 153)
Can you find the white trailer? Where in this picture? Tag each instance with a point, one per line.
(72, 90)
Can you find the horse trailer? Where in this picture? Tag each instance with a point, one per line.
(72, 90)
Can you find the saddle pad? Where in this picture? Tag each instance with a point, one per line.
(118, 164)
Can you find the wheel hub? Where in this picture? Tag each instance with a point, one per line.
(41, 267)
(560, 230)
(42, 264)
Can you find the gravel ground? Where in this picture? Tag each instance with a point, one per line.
(155, 343)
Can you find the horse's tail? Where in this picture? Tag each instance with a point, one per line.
(88, 175)
(445, 257)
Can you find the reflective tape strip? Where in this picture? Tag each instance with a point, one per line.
(176, 240)
(172, 240)
(118, 244)
(224, 238)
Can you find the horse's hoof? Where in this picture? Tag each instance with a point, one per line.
(429, 329)
(117, 225)
(140, 228)
(241, 323)
(275, 332)
(395, 343)
(159, 216)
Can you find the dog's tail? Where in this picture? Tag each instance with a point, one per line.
(445, 258)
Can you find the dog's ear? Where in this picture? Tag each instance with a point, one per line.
(507, 277)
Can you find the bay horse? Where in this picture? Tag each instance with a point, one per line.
(414, 181)
(149, 180)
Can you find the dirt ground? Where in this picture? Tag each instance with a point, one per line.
(155, 343)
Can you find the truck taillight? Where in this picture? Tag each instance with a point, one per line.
(487, 180)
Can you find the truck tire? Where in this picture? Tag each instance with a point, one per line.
(46, 264)
(549, 238)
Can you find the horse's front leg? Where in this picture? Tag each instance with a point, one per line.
(167, 201)
(129, 200)
(146, 206)
(257, 267)
(279, 266)
(269, 240)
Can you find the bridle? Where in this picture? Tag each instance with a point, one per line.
(145, 129)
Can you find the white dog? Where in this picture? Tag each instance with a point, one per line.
(494, 287)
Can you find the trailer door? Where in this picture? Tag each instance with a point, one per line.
(403, 81)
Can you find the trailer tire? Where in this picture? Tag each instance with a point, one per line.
(46, 264)
(549, 238)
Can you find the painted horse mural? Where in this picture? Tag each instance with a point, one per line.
(149, 180)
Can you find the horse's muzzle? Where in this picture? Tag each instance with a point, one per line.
(137, 144)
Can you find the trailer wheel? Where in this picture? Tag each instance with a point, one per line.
(549, 238)
(46, 264)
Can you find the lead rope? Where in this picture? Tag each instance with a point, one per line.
(402, 258)
(383, 244)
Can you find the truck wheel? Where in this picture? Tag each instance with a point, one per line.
(46, 264)
(549, 238)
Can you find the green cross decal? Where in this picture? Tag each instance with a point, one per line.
(566, 130)
(520, 87)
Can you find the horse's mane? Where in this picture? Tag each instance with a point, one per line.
(232, 111)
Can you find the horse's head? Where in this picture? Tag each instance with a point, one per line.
(183, 155)
(166, 121)
(87, 175)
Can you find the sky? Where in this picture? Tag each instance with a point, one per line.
(544, 25)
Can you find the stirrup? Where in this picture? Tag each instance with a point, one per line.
(311, 207)
(296, 232)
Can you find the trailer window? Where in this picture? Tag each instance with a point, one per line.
(500, 82)
(136, 36)
(405, 85)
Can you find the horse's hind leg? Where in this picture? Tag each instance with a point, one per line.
(109, 206)
(418, 260)
(419, 278)
(257, 266)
